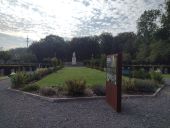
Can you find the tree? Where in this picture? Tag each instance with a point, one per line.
(49, 47)
(106, 43)
(22, 55)
(55, 62)
(126, 42)
(164, 32)
(85, 47)
(147, 25)
(160, 52)
(5, 56)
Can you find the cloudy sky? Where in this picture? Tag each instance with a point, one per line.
(67, 18)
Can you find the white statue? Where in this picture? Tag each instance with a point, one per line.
(74, 59)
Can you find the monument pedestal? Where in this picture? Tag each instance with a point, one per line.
(74, 59)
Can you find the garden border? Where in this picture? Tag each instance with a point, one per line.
(81, 98)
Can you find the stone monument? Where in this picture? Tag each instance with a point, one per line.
(74, 59)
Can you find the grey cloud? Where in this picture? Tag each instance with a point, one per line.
(7, 41)
(113, 16)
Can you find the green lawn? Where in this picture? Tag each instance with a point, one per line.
(166, 75)
(91, 76)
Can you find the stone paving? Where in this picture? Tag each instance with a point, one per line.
(21, 111)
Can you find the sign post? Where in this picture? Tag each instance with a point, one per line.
(114, 81)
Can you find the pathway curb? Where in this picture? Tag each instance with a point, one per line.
(81, 98)
(142, 96)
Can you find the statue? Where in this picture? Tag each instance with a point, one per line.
(74, 59)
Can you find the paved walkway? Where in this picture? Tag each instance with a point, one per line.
(20, 111)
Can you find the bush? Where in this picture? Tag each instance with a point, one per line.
(88, 92)
(76, 87)
(157, 76)
(139, 85)
(19, 79)
(30, 88)
(47, 91)
(99, 90)
(128, 85)
(141, 74)
(145, 85)
(40, 72)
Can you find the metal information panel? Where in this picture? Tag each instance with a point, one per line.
(113, 81)
(111, 69)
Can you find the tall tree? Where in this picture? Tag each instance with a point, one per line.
(85, 47)
(106, 43)
(147, 25)
(49, 47)
(164, 32)
(5, 56)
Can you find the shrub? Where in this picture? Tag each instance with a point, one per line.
(141, 74)
(88, 92)
(99, 90)
(75, 87)
(157, 76)
(19, 79)
(128, 85)
(30, 88)
(47, 91)
(40, 72)
(55, 62)
(145, 85)
(139, 85)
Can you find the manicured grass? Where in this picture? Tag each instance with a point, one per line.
(166, 75)
(92, 76)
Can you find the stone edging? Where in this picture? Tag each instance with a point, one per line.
(140, 96)
(81, 98)
(56, 99)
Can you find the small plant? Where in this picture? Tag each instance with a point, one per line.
(145, 85)
(19, 79)
(41, 72)
(128, 85)
(30, 88)
(47, 91)
(55, 62)
(138, 85)
(141, 74)
(99, 90)
(157, 76)
(88, 92)
(76, 87)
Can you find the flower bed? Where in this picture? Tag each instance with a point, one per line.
(79, 88)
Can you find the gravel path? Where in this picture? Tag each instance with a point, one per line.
(19, 111)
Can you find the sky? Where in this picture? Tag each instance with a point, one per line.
(67, 18)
